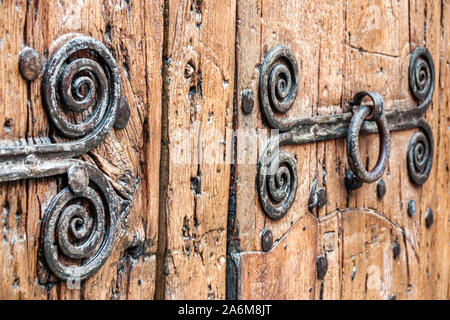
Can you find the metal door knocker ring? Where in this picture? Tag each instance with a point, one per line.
(369, 113)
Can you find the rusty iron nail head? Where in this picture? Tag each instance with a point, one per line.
(247, 101)
(411, 207)
(351, 182)
(78, 178)
(381, 188)
(429, 218)
(322, 267)
(321, 197)
(123, 114)
(30, 64)
(266, 240)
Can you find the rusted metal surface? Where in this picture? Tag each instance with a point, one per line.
(30, 64)
(421, 78)
(374, 114)
(377, 104)
(317, 197)
(277, 94)
(79, 227)
(266, 240)
(78, 231)
(381, 188)
(411, 207)
(278, 86)
(123, 114)
(420, 155)
(351, 183)
(429, 218)
(247, 101)
(322, 267)
(77, 178)
(277, 181)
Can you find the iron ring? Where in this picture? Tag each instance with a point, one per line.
(354, 158)
(377, 109)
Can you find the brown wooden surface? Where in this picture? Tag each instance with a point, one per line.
(184, 65)
(343, 47)
(198, 105)
(133, 33)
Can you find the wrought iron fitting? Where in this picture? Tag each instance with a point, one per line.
(81, 91)
(369, 113)
(278, 87)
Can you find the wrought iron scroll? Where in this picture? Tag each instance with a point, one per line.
(278, 87)
(82, 81)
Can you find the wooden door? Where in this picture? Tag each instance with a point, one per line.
(133, 133)
(349, 244)
(127, 158)
(164, 231)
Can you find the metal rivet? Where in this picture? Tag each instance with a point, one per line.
(351, 182)
(247, 101)
(322, 267)
(429, 218)
(31, 161)
(381, 188)
(123, 114)
(396, 249)
(78, 178)
(30, 64)
(411, 207)
(266, 240)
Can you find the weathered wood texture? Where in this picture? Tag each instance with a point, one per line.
(133, 33)
(343, 47)
(288, 271)
(198, 110)
(178, 61)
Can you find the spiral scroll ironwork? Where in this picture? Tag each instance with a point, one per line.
(79, 84)
(81, 90)
(421, 77)
(79, 229)
(277, 184)
(278, 85)
(420, 154)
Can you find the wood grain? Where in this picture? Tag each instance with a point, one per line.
(287, 271)
(184, 66)
(343, 47)
(133, 33)
(197, 110)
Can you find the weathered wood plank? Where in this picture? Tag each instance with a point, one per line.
(130, 157)
(363, 46)
(287, 271)
(198, 109)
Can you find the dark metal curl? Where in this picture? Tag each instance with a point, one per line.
(419, 157)
(278, 85)
(421, 77)
(65, 76)
(363, 113)
(277, 181)
(79, 227)
(79, 230)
